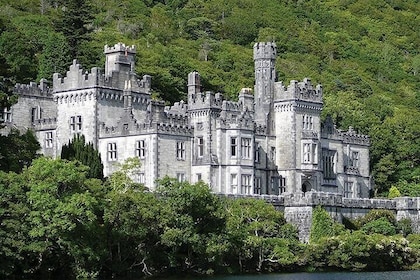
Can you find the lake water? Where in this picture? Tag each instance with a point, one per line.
(388, 275)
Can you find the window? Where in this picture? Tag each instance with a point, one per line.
(348, 189)
(329, 158)
(180, 176)
(180, 150)
(359, 190)
(273, 153)
(6, 115)
(48, 139)
(75, 123)
(141, 149)
(112, 151)
(354, 159)
(233, 146)
(257, 152)
(200, 146)
(306, 152)
(142, 178)
(307, 122)
(79, 123)
(198, 175)
(257, 185)
(310, 153)
(233, 182)
(33, 115)
(282, 182)
(246, 184)
(275, 184)
(246, 148)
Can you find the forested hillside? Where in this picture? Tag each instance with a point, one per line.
(365, 53)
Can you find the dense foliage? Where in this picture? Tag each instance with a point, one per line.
(57, 223)
(365, 54)
(17, 150)
(78, 149)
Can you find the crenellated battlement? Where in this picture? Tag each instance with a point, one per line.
(77, 78)
(329, 131)
(120, 47)
(145, 128)
(205, 100)
(301, 91)
(179, 108)
(33, 89)
(265, 50)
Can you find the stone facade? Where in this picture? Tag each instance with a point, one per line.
(271, 141)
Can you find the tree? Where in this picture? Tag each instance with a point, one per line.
(394, 192)
(323, 225)
(17, 150)
(65, 238)
(259, 236)
(73, 21)
(78, 149)
(192, 223)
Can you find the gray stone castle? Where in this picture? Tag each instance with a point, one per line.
(271, 141)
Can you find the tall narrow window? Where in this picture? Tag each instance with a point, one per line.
(200, 146)
(34, 116)
(233, 182)
(354, 159)
(257, 152)
(246, 148)
(328, 160)
(6, 115)
(112, 151)
(79, 123)
(275, 184)
(348, 189)
(180, 176)
(141, 149)
(73, 123)
(282, 182)
(180, 150)
(257, 185)
(273, 154)
(142, 178)
(233, 146)
(48, 139)
(306, 153)
(76, 123)
(246, 184)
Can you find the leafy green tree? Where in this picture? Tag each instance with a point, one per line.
(259, 236)
(323, 225)
(381, 226)
(62, 219)
(394, 192)
(193, 224)
(74, 17)
(78, 149)
(17, 150)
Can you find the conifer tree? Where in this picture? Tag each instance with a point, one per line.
(78, 149)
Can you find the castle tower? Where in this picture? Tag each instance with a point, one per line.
(265, 76)
(119, 58)
(194, 86)
(297, 110)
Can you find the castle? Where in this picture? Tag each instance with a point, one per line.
(271, 141)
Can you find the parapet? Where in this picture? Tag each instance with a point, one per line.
(205, 100)
(303, 91)
(329, 131)
(45, 124)
(312, 199)
(33, 89)
(265, 50)
(120, 47)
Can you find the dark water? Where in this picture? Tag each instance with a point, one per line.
(389, 275)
